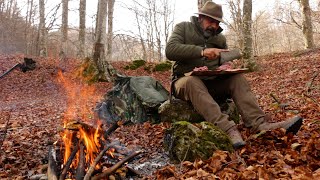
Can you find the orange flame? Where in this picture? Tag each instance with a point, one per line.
(111, 152)
(67, 140)
(80, 100)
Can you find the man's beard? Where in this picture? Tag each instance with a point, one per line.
(210, 31)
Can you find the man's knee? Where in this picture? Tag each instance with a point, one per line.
(189, 82)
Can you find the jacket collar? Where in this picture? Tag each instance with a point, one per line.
(195, 21)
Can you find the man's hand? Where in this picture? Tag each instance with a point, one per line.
(213, 53)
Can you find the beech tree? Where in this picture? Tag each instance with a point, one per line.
(110, 29)
(42, 30)
(247, 35)
(105, 70)
(307, 29)
(64, 30)
(82, 28)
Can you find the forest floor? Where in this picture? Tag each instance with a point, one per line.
(33, 105)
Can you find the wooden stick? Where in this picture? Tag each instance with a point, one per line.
(116, 166)
(274, 98)
(68, 163)
(52, 164)
(95, 162)
(313, 78)
(81, 166)
(113, 127)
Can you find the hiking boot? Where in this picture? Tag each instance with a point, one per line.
(235, 137)
(290, 125)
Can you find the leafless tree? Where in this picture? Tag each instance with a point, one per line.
(82, 28)
(247, 35)
(110, 29)
(64, 30)
(306, 24)
(154, 19)
(42, 30)
(106, 71)
(236, 24)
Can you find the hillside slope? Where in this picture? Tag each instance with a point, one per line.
(33, 104)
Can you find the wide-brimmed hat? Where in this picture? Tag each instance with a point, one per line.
(212, 10)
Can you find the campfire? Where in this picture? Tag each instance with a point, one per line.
(84, 151)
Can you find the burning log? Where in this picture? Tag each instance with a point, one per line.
(116, 166)
(93, 165)
(67, 165)
(81, 165)
(52, 167)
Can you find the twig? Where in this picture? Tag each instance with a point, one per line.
(312, 99)
(274, 97)
(95, 162)
(313, 78)
(116, 166)
(68, 163)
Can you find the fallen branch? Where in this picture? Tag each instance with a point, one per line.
(281, 105)
(68, 163)
(95, 162)
(311, 82)
(274, 98)
(52, 164)
(116, 166)
(312, 99)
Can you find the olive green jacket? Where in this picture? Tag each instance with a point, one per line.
(185, 45)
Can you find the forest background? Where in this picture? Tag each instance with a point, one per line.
(140, 29)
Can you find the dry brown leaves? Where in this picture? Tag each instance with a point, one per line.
(32, 105)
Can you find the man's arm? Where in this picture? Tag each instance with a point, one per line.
(177, 50)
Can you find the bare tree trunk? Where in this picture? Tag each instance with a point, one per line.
(82, 28)
(28, 28)
(42, 30)
(247, 34)
(110, 29)
(307, 24)
(156, 31)
(99, 50)
(64, 30)
(106, 71)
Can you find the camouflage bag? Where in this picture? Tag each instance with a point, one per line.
(134, 99)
